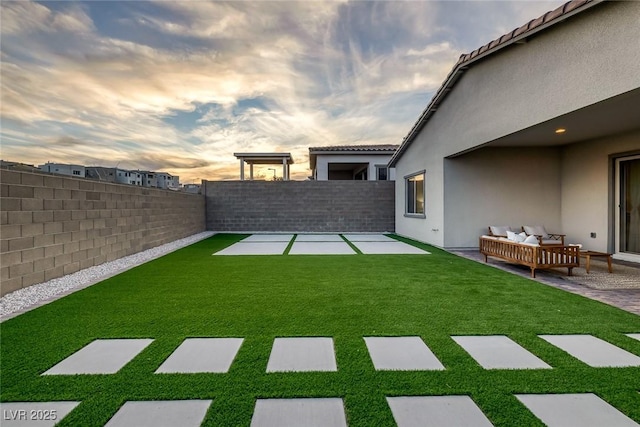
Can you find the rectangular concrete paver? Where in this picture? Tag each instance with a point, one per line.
(321, 248)
(255, 248)
(368, 238)
(634, 336)
(302, 354)
(436, 411)
(593, 351)
(318, 238)
(499, 352)
(583, 410)
(401, 354)
(194, 355)
(313, 412)
(268, 238)
(34, 414)
(390, 248)
(161, 413)
(104, 356)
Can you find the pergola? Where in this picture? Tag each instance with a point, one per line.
(283, 159)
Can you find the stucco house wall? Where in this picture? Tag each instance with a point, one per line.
(508, 92)
(323, 160)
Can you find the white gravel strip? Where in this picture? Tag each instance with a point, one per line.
(23, 300)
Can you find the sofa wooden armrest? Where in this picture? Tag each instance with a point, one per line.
(536, 257)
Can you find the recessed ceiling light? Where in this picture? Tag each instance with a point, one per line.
(561, 130)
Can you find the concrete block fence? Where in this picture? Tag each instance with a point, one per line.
(300, 206)
(51, 226)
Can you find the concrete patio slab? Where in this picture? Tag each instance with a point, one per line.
(302, 355)
(401, 354)
(436, 411)
(584, 410)
(317, 412)
(194, 355)
(368, 238)
(319, 238)
(593, 351)
(104, 356)
(321, 248)
(161, 413)
(634, 336)
(255, 248)
(268, 238)
(34, 414)
(390, 248)
(499, 352)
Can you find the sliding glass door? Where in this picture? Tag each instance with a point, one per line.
(628, 204)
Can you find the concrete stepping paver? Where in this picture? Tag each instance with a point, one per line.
(311, 412)
(302, 354)
(436, 411)
(194, 355)
(103, 356)
(34, 414)
(393, 247)
(268, 238)
(593, 351)
(161, 413)
(321, 248)
(319, 238)
(499, 352)
(584, 410)
(368, 238)
(255, 248)
(634, 336)
(401, 354)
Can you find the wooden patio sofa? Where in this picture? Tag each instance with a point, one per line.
(534, 256)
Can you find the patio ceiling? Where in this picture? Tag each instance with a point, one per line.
(614, 116)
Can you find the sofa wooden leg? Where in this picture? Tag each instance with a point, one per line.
(533, 273)
(570, 271)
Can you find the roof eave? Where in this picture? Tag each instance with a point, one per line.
(463, 64)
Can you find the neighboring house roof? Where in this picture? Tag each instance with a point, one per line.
(350, 149)
(519, 35)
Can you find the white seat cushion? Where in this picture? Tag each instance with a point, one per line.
(537, 230)
(499, 230)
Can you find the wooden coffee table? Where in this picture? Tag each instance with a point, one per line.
(589, 254)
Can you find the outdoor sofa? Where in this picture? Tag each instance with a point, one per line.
(529, 252)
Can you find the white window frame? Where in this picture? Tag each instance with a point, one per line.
(407, 179)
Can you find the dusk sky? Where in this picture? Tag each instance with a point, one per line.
(179, 86)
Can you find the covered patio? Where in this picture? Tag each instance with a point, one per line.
(276, 159)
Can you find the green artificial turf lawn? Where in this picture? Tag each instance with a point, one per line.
(191, 293)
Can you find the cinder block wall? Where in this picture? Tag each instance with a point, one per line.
(52, 226)
(299, 206)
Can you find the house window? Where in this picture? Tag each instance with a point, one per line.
(415, 194)
(382, 173)
(76, 172)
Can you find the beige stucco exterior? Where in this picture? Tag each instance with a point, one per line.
(490, 153)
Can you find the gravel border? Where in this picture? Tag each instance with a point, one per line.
(15, 303)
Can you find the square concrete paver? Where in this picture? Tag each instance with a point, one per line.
(401, 354)
(268, 238)
(302, 355)
(161, 413)
(318, 238)
(255, 248)
(593, 351)
(321, 248)
(390, 248)
(34, 414)
(499, 352)
(318, 412)
(202, 355)
(106, 356)
(584, 410)
(634, 336)
(368, 238)
(436, 411)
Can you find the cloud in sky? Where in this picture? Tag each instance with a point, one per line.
(180, 86)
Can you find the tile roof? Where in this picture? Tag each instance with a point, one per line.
(465, 61)
(382, 147)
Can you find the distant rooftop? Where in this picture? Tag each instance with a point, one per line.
(350, 148)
